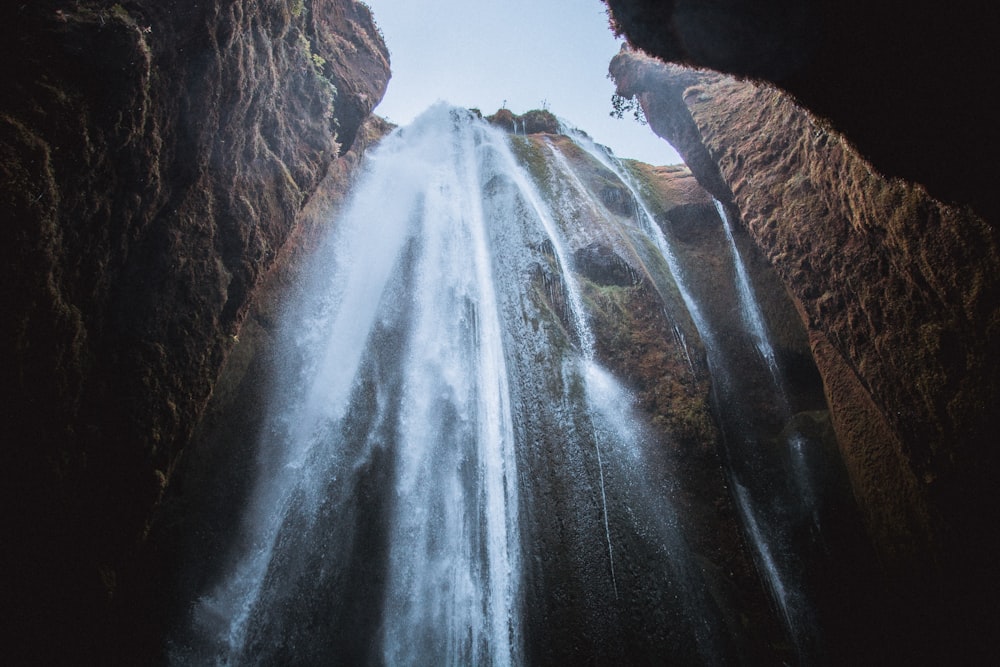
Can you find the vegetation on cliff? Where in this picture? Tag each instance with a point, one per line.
(530, 122)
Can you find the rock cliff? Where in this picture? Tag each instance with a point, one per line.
(906, 83)
(162, 163)
(155, 159)
(900, 294)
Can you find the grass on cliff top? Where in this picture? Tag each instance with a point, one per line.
(533, 121)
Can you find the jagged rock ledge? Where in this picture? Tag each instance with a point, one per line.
(530, 122)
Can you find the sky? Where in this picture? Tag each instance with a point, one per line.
(522, 54)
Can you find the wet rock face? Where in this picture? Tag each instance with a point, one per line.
(905, 84)
(900, 294)
(600, 264)
(154, 160)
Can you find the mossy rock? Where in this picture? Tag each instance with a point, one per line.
(536, 121)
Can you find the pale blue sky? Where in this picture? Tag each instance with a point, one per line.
(474, 53)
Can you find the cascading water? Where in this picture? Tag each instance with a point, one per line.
(749, 306)
(610, 423)
(400, 364)
(384, 526)
(769, 506)
(753, 316)
(448, 472)
(648, 225)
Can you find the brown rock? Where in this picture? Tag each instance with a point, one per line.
(155, 160)
(900, 294)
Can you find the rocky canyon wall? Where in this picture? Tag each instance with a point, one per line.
(901, 297)
(906, 82)
(155, 160)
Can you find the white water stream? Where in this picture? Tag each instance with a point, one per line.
(750, 308)
(764, 531)
(422, 389)
(407, 282)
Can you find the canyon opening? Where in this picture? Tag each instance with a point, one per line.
(292, 384)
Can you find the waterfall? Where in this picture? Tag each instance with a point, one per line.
(449, 472)
(765, 520)
(749, 305)
(401, 359)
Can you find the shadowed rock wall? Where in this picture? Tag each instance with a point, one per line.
(154, 160)
(902, 300)
(905, 81)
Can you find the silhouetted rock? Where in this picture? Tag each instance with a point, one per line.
(907, 84)
(155, 158)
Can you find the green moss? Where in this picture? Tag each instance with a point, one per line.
(530, 122)
(610, 299)
(540, 120)
(533, 157)
(642, 178)
(503, 118)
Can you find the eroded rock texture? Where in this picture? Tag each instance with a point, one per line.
(155, 158)
(900, 294)
(906, 82)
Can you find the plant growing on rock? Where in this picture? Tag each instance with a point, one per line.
(317, 64)
(621, 105)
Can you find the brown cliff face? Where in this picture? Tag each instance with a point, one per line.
(900, 294)
(155, 159)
